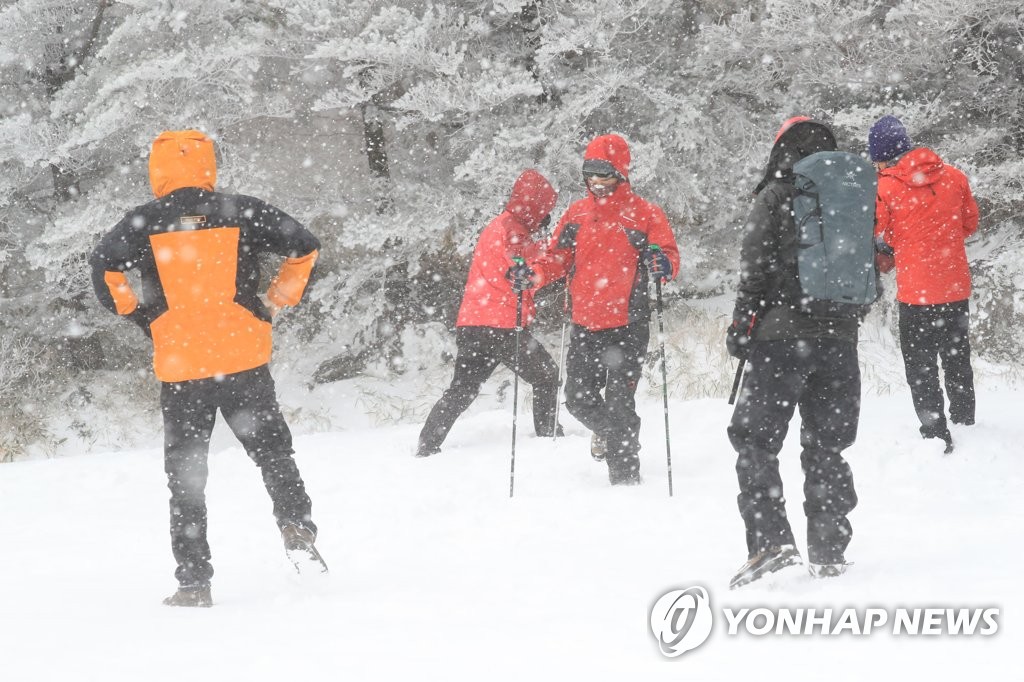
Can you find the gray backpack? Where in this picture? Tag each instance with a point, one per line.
(834, 211)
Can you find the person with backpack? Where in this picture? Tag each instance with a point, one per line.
(611, 244)
(495, 303)
(925, 212)
(806, 276)
(197, 254)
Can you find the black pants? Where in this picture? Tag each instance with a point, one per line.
(610, 360)
(250, 407)
(480, 349)
(821, 378)
(929, 333)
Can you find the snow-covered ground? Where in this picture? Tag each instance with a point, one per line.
(437, 574)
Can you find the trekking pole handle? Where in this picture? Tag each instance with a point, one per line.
(654, 248)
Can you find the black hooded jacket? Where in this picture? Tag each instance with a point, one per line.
(769, 283)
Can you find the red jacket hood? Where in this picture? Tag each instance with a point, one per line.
(532, 199)
(917, 168)
(789, 123)
(610, 148)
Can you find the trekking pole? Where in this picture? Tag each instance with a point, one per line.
(515, 389)
(664, 376)
(561, 359)
(737, 381)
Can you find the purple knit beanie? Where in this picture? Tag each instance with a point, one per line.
(888, 139)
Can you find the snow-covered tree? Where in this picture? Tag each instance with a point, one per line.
(395, 129)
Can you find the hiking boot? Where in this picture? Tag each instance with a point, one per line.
(192, 596)
(598, 448)
(827, 570)
(947, 438)
(763, 563)
(940, 431)
(427, 450)
(298, 545)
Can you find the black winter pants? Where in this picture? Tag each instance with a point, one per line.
(480, 349)
(609, 360)
(929, 333)
(248, 403)
(821, 378)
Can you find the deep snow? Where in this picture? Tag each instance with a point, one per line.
(437, 574)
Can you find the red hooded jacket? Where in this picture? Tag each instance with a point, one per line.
(489, 300)
(599, 241)
(925, 211)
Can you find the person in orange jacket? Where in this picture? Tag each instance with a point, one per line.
(197, 254)
(486, 325)
(925, 211)
(604, 244)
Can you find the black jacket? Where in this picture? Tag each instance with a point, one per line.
(769, 283)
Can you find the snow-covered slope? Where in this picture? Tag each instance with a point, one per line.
(437, 574)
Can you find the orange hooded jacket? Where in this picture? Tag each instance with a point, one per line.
(196, 251)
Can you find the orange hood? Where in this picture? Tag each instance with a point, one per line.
(181, 158)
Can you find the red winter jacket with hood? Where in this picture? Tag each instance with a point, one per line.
(489, 300)
(925, 211)
(598, 243)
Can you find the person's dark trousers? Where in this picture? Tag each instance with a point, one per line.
(479, 351)
(929, 333)
(821, 378)
(609, 360)
(249, 405)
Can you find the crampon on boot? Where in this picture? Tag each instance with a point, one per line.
(765, 562)
(191, 596)
(298, 545)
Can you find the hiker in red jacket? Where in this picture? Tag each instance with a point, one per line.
(486, 326)
(610, 244)
(925, 211)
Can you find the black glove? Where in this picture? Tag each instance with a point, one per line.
(882, 247)
(885, 257)
(737, 336)
(657, 263)
(520, 276)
